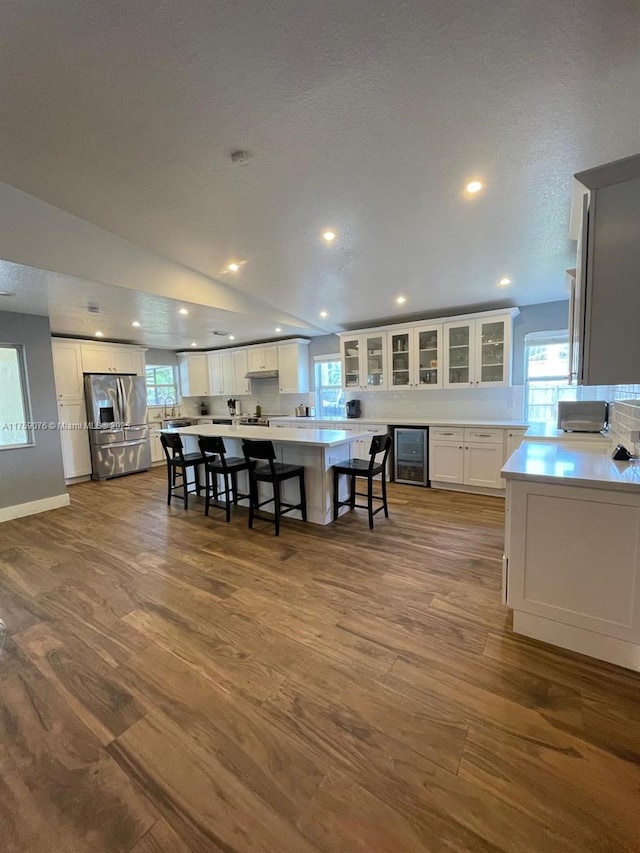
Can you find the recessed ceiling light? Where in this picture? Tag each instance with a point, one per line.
(6, 293)
(136, 324)
(474, 187)
(194, 344)
(329, 236)
(323, 314)
(233, 267)
(99, 335)
(278, 329)
(183, 311)
(504, 282)
(232, 337)
(401, 300)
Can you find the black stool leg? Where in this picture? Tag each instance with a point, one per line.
(227, 496)
(253, 499)
(185, 489)
(336, 492)
(303, 497)
(208, 475)
(196, 472)
(276, 505)
(169, 484)
(352, 495)
(234, 484)
(384, 496)
(370, 501)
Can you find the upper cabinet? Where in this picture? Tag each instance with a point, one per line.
(67, 368)
(605, 297)
(194, 375)
(221, 380)
(263, 359)
(240, 362)
(473, 351)
(364, 361)
(105, 358)
(477, 352)
(293, 367)
(415, 358)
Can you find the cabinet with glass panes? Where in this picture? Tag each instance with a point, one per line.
(477, 352)
(364, 361)
(415, 356)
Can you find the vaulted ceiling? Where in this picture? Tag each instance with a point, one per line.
(364, 116)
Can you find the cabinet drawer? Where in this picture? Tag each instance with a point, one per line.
(480, 435)
(446, 433)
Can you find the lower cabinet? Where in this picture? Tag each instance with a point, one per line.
(157, 452)
(76, 455)
(466, 457)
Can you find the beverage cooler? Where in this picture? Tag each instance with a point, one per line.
(410, 455)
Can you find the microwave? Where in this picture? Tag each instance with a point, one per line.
(583, 415)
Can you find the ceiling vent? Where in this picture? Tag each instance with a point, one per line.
(219, 333)
(93, 309)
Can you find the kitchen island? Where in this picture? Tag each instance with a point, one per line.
(316, 449)
(572, 548)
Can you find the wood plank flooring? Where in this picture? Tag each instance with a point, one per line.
(173, 683)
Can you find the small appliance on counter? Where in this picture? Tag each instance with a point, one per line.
(204, 408)
(353, 408)
(583, 415)
(305, 411)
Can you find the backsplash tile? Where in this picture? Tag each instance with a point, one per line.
(624, 418)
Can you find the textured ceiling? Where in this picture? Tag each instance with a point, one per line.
(367, 116)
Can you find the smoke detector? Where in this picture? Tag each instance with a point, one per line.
(240, 157)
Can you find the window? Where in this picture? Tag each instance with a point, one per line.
(161, 383)
(546, 371)
(328, 380)
(15, 411)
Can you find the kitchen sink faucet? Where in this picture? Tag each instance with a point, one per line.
(173, 408)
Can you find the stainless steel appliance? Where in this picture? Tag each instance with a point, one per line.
(410, 455)
(582, 415)
(353, 408)
(118, 431)
(254, 420)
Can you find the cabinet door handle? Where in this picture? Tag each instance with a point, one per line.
(482, 435)
(446, 433)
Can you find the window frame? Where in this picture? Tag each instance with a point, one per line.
(317, 361)
(554, 382)
(25, 393)
(175, 392)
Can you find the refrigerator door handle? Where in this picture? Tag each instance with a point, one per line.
(126, 443)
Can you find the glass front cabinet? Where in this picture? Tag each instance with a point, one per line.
(364, 361)
(477, 353)
(415, 358)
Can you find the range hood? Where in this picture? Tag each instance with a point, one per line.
(261, 374)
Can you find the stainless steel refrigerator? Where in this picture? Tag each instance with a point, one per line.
(118, 431)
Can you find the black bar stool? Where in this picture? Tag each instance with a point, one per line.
(355, 468)
(274, 473)
(217, 463)
(178, 463)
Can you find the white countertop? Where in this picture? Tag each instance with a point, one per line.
(550, 432)
(308, 437)
(425, 421)
(572, 464)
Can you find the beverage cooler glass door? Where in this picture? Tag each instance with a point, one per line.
(410, 456)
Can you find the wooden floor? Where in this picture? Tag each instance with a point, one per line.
(173, 683)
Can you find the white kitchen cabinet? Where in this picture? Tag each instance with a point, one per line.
(194, 375)
(414, 358)
(364, 361)
(573, 568)
(111, 358)
(263, 358)
(240, 363)
(477, 352)
(76, 454)
(469, 457)
(221, 379)
(513, 440)
(157, 451)
(293, 367)
(67, 369)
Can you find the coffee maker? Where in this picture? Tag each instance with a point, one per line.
(353, 408)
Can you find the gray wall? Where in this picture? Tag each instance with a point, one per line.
(33, 473)
(322, 345)
(160, 356)
(545, 317)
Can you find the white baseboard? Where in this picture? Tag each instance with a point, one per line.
(472, 490)
(33, 507)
